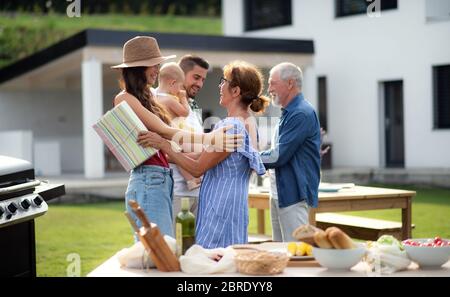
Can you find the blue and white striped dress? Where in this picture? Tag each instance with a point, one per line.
(223, 202)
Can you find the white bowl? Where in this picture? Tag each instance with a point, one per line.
(428, 256)
(339, 259)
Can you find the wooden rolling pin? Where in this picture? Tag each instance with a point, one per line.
(153, 241)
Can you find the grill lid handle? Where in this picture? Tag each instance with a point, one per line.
(23, 186)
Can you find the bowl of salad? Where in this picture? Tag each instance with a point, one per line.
(428, 252)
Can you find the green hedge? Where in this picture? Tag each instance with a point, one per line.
(175, 7)
(23, 34)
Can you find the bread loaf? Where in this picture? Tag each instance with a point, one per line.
(339, 239)
(320, 238)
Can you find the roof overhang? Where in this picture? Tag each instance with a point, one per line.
(59, 66)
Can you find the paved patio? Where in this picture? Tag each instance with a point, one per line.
(79, 189)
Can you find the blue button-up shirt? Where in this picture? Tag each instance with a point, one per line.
(296, 155)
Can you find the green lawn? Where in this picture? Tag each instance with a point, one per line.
(24, 34)
(94, 231)
(97, 231)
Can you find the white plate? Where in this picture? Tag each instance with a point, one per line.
(281, 247)
(293, 258)
(330, 187)
(301, 258)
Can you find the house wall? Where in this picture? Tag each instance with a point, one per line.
(52, 116)
(17, 144)
(356, 54)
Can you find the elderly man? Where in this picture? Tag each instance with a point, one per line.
(294, 158)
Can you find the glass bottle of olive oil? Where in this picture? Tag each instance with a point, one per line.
(185, 228)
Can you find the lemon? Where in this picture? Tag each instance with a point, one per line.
(292, 248)
(301, 249)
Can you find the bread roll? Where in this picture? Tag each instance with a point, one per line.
(339, 239)
(329, 229)
(320, 238)
(305, 233)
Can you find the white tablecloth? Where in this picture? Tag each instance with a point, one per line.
(111, 268)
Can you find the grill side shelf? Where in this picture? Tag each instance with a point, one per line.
(50, 191)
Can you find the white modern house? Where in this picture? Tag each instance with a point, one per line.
(380, 81)
(50, 100)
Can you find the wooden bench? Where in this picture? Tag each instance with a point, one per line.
(359, 227)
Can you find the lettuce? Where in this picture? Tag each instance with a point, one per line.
(390, 240)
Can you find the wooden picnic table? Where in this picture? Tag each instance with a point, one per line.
(347, 199)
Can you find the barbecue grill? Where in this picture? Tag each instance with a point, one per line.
(22, 199)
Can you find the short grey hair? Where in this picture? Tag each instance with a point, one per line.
(289, 71)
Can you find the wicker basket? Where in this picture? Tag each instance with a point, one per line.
(261, 262)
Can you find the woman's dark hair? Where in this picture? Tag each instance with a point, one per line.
(251, 83)
(134, 81)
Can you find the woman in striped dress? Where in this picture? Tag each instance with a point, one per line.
(223, 203)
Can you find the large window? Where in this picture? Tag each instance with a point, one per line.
(441, 90)
(322, 96)
(323, 119)
(352, 7)
(262, 14)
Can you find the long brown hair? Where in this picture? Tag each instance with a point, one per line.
(134, 81)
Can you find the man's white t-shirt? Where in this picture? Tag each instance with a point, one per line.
(179, 183)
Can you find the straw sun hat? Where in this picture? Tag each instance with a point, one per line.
(142, 51)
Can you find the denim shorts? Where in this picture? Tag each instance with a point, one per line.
(152, 187)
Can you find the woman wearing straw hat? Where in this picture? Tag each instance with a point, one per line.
(151, 183)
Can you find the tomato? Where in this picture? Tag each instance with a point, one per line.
(432, 242)
(445, 243)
